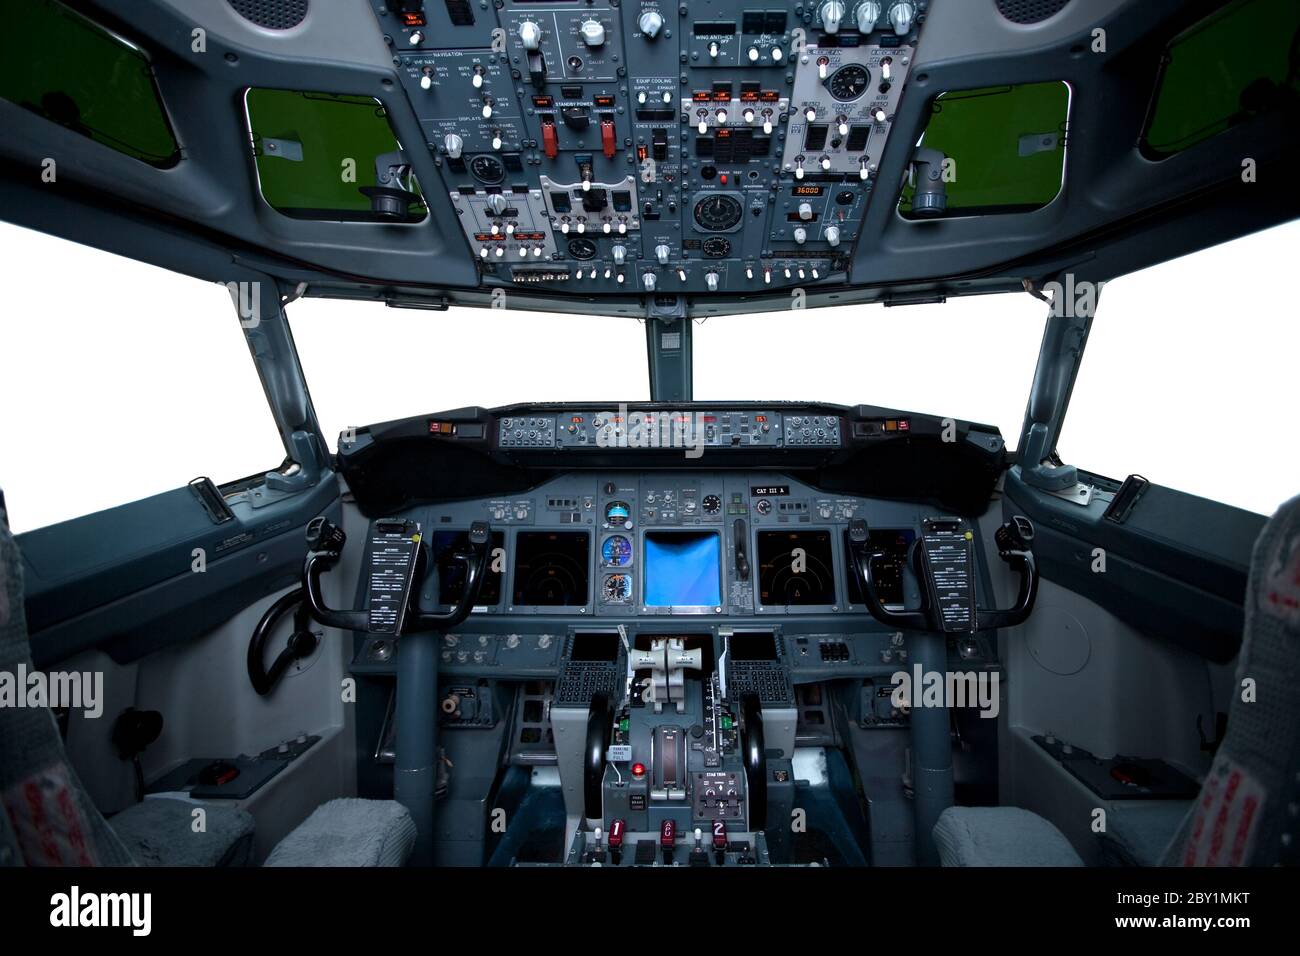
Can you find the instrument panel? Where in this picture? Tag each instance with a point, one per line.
(725, 146)
(663, 545)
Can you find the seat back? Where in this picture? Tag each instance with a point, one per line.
(1248, 810)
(48, 818)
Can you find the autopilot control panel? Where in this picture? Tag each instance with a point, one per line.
(645, 147)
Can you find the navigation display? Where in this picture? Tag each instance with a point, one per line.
(551, 568)
(683, 568)
(794, 568)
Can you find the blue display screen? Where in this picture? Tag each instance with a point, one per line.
(683, 568)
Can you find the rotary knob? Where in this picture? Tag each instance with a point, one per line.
(833, 235)
(832, 14)
(805, 211)
(650, 24)
(496, 203)
(867, 15)
(649, 281)
(530, 35)
(662, 252)
(454, 145)
(801, 235)
(620, 255)
(593, 33)
(711, 280)
(901, 15)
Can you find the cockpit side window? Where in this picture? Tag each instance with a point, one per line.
(315, 152)
(1003, 147)
(86, 78)
(135, 380)
(1188, 377)
(1208, 86)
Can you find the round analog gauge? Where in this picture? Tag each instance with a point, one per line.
(716, 247)
(618, 513)
(617, 588)
(763, 506)
(718, 212)
(582, 248)
(712, 504)
(487, 169)
(617, 551)
(848, 82)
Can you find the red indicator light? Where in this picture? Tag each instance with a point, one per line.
(412, 19)
(667, 833)
(723, 179)
(638, 770)
(904, 425)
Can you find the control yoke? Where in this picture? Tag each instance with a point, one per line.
(325, 543)
(943, 561)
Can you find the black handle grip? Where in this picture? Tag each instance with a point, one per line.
(1014, 541)
(476, 565)
(751, 713)
(318, 562)
(599, 722)
(301, 642)
(862, 555)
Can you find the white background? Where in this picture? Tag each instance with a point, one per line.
(119, 380)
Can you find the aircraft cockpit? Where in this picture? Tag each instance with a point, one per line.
(580, 435)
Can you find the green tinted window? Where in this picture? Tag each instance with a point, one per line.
(1005, 147)
(61, 66)
(315, 152)
(1242, 61)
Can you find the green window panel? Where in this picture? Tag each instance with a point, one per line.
(1241, 61)
(84, 78)
(1005, 147)
(314, 152)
